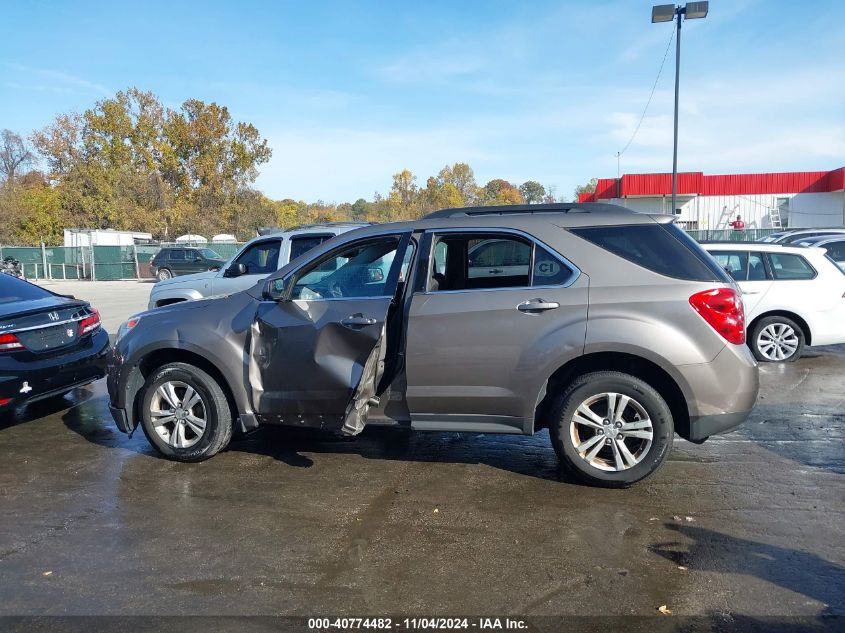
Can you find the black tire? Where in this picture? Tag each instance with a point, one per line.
(768, 355)
(582, 389)
(218, 423)
(164, 274)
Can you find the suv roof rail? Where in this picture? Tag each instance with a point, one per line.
(557, 207)
(270, 230)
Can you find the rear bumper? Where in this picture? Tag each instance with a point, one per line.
(28, 381)
(721, 392)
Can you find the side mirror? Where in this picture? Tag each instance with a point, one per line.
(235, 270)
(374, 275)
(274, 290)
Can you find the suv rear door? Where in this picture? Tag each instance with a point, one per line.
(318, 345)
(477, 335)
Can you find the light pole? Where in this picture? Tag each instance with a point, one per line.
(667, 13)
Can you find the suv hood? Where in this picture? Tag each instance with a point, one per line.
(185, 280)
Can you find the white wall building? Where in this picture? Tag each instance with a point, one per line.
(769, 200)
(104, 237)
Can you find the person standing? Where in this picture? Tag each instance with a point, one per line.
(738, 232)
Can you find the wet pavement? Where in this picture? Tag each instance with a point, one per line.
(285, 522)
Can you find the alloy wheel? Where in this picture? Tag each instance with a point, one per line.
(178, 414)
(777, 341)
(611, 431)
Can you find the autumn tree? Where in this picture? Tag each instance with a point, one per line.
(532, 191)
(128, 162)
(15, 156)
(402, 200)
(501, 192)
(462, 178)
(590, 187)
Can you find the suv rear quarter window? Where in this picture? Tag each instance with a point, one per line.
(661, 248)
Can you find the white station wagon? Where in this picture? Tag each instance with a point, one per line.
(793, 296)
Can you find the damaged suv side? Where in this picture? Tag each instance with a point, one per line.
(612, 329)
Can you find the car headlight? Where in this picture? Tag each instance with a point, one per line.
(126, 327)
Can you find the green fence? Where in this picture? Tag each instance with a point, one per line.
(101, 263)
(729, 235)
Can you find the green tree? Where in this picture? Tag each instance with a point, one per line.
(590, 187)
(532, 191)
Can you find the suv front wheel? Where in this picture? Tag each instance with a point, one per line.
(611, 429)
(184, 413)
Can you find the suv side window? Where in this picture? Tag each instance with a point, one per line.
(176, 255)
(262, 258)
(742, 265)
(789, 266)
(301, 244)
(355, 270)
(478, 261)
(661, 248)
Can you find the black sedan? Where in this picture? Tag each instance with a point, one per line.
(49, 343)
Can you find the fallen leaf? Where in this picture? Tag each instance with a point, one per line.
(47, 573)
(436, 510)
(677, 518)
(682, 568)
(664, 609)
(689, 519)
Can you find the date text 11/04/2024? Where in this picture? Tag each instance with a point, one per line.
(418, 623)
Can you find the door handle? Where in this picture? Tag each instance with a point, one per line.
(537, 305)
(496, 271)
(357, 320)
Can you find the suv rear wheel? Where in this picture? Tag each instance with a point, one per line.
(611, 429)
(164, 273)
(184, 413)
(777, 339)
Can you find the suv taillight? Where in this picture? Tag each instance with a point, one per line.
(89, 323)
(722, 309)
(9, 343)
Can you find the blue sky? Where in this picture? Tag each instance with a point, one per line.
(349, 93)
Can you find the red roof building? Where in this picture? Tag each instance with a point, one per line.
(768, 200)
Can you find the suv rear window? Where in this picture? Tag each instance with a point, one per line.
(661, 248)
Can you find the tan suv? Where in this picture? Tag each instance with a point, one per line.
(612, 329)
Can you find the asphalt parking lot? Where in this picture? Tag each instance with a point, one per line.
(748, 525)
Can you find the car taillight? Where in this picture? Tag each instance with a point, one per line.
(9, 343)
(89, 323)
(4, 401)
(722, 309)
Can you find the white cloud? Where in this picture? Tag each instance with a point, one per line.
(58, 80)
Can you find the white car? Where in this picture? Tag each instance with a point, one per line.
(254, 261)
(793, 296)
(834, 245)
